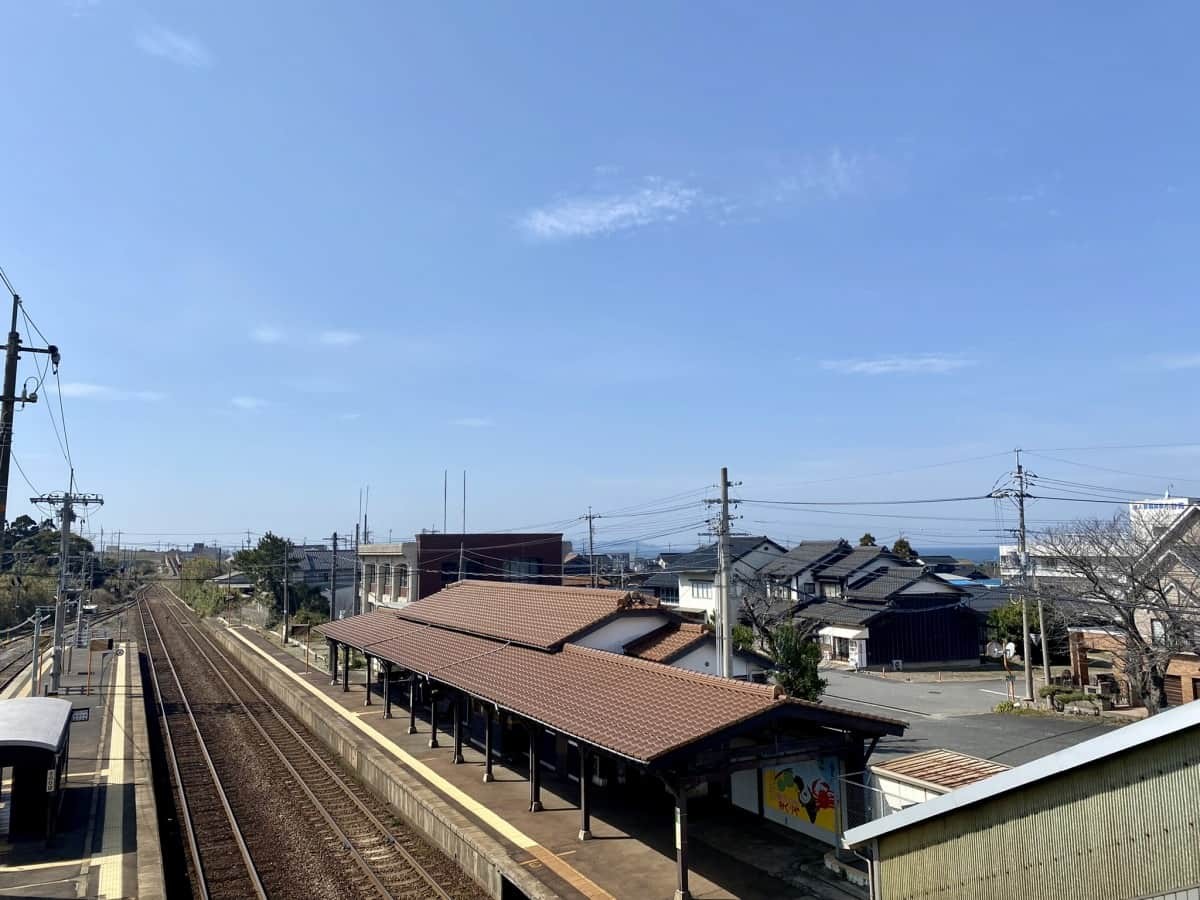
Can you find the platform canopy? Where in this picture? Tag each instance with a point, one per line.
(509, 645)
(40, 723)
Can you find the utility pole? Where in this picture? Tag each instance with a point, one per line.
(333, 574)
(462, 543)
(358, 602)
(67, 500)
(591, 546)
(724, 613)
(1023, 551)
(9, 399)
(287, 564)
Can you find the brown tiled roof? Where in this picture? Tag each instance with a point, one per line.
(941, 768)
(638, 709)
(668, 642)
(535, 615)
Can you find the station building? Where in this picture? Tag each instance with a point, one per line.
(550, 677)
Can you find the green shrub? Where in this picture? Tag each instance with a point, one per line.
(1004, 706)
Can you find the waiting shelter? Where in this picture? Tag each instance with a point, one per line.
(34, 744)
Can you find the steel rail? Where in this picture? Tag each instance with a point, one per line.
(333, 776)
(252, 871)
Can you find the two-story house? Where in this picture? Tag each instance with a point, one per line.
(697, 572)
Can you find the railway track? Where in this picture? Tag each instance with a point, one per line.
(16, 663)
(378, 856)
(222, 866)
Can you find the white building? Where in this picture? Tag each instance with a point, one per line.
(1149, 519)
(697, 572)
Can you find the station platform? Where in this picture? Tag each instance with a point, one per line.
(631, 853)
(107, 839)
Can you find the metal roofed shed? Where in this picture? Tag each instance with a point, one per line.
(34, 742)
(916, 777)
(1113, 817)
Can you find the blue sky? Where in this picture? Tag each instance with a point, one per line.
(591, 254)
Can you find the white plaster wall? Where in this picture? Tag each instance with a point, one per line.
(704, 659)
(614, 635)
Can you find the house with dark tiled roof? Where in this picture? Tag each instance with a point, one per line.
(895, 617)
(697, 571)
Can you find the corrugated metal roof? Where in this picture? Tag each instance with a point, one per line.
(38, 722)
(638, 709)
(1119, 740)
(940, 768)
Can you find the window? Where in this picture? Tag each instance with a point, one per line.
(1158, 632)
(522, 569)
(400, 578)
(702, 590)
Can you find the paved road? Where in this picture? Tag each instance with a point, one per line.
(956, 716)
(948, 698)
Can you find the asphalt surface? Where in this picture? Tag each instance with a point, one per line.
(956, 716)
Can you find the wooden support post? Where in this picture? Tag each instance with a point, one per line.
(367, 681)
(487, 746)
(535, 769)
(681, 844)
(585, 809)
(333, 660)
(457, 702)
(387, 690)
(346, 669)
(412, 702)
(433, 701)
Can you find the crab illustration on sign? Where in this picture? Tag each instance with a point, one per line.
(804, 796)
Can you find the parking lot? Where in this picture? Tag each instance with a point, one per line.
(956, 715)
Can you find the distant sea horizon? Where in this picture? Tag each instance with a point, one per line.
(977, 553)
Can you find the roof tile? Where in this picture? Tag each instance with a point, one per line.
(542, 616)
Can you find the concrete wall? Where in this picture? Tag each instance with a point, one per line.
(480, 855)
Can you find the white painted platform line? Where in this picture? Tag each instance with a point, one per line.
(22, 685)
(997, 693)
(112, 851)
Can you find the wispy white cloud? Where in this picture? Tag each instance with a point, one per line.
(473, 422)
(267, 334)
(77, 389)
(339, 338)
(83, 389)
(1182, 361)
(350, 416)
(830, 176)
(834, 175)
(243, 402)
(923, 364)
(590, 215)
(174, 47)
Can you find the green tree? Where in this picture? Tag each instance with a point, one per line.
(867, 540)
(265, 564)
(743, 637)
(903, 549)
(796, 660)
